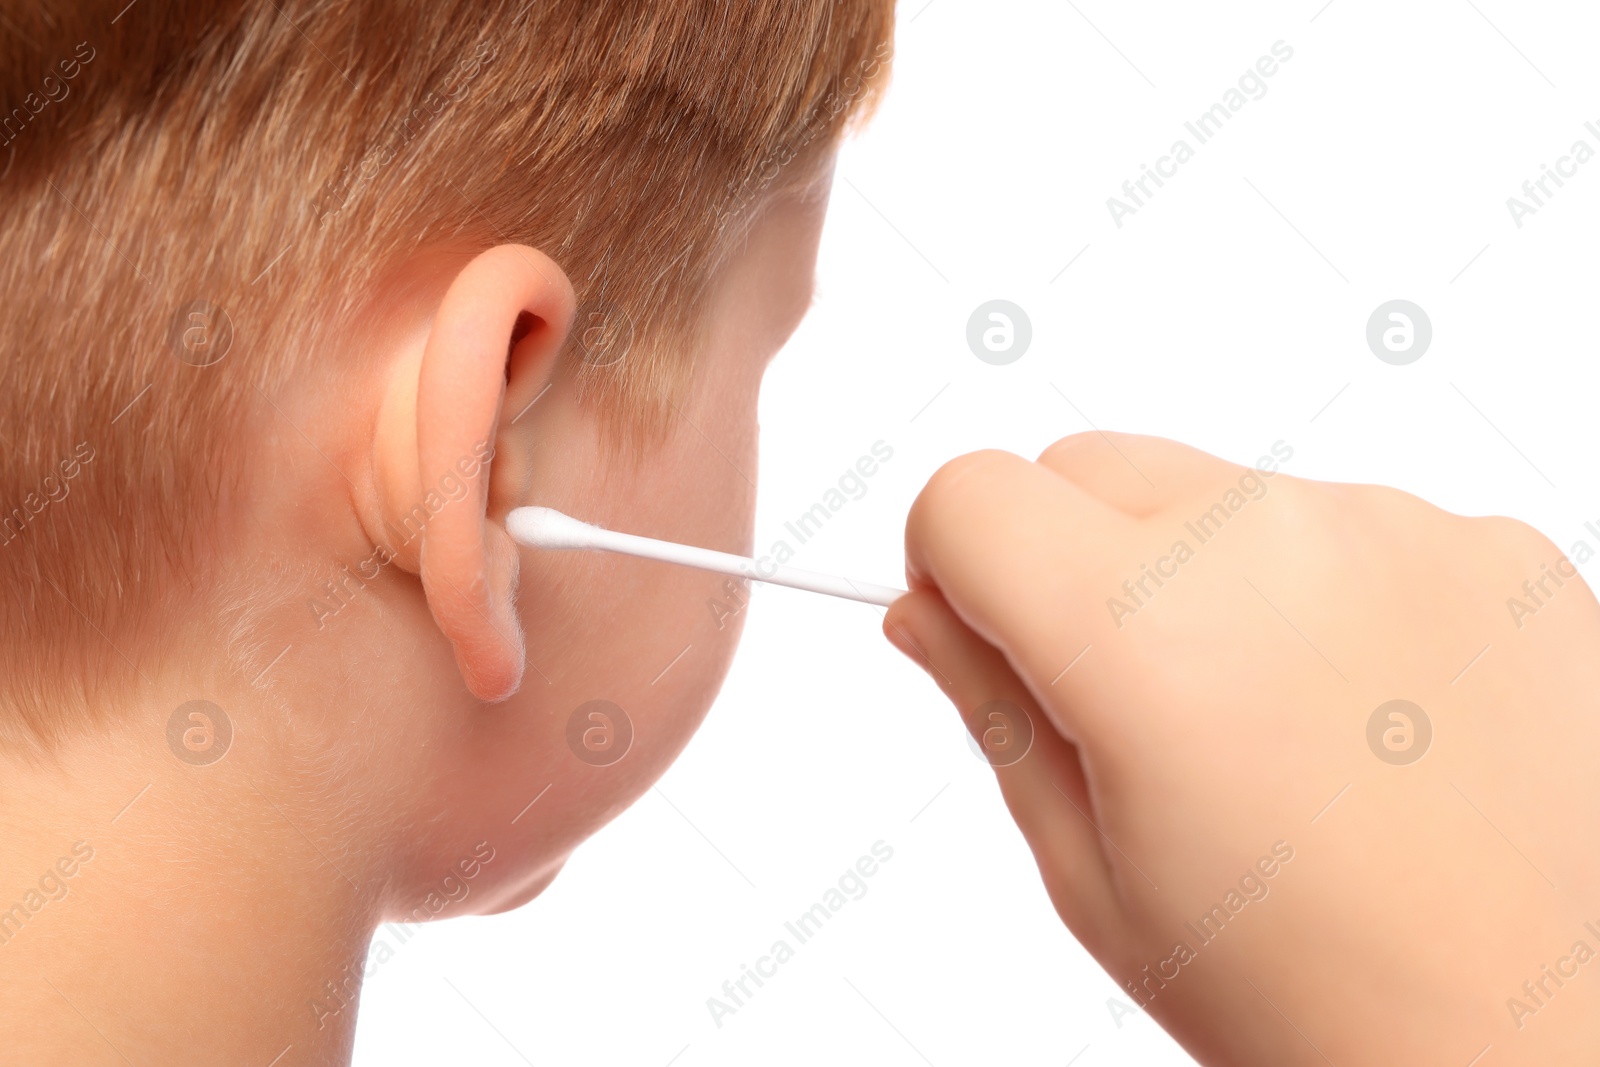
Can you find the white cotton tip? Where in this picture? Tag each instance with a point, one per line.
(548, 528)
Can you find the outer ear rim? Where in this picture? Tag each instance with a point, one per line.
(467, 565)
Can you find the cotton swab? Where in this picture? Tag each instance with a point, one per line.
(549, 528)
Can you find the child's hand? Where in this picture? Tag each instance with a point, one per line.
(1277, 863)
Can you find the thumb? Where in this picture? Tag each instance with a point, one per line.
(1039, 772)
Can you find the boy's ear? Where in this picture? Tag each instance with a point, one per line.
(491, 349)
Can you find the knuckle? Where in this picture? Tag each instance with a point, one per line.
(953, 490)
(954, 482)
(1520, 541)
(1074, 447)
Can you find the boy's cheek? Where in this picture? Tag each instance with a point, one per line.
(496, 892)
(623, 666)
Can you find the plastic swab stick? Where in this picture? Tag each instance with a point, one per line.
(549, 528)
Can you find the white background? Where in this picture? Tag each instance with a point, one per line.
(1230, 313)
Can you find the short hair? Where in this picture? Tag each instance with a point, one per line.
(212, 180)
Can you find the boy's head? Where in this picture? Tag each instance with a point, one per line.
(305, 297)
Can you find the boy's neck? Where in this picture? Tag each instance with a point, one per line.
(133, 898)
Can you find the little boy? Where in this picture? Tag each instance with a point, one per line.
(305, 297)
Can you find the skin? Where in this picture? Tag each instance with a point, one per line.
(1228, 714)
(408, 755)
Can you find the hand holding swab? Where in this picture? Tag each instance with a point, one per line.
(549, 528)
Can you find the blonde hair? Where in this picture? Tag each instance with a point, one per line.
(194, 195)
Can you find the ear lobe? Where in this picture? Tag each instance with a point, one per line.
(476, 357)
